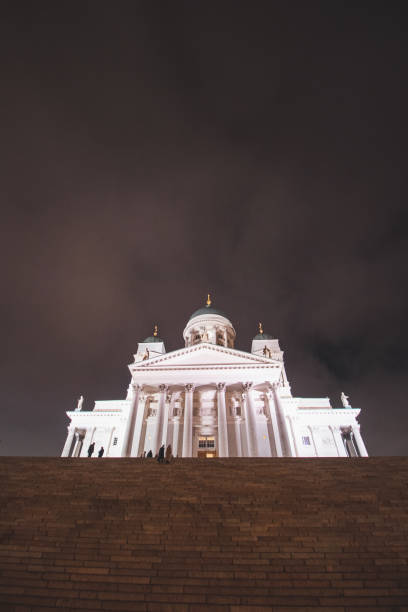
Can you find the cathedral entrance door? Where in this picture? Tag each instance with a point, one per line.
(206, 447)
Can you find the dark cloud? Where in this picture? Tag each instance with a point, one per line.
(152, 152)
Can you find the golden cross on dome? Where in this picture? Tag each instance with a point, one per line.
(208, 300)
(260, 328)
(156, 331)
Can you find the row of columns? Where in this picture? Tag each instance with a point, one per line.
(132, 434)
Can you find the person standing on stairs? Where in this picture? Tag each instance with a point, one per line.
(160, 457)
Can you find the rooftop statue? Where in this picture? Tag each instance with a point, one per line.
(80, 403)
(345, 400)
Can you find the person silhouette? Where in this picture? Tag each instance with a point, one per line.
(91, 449)
(160, 457)
(169, 454)
(101, 451)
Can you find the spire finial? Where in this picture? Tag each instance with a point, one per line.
(155, 331)
(208, 300)
(260, 328)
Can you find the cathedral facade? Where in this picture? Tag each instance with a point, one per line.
(210, 400)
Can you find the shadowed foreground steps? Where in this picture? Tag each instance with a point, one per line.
(219, 534)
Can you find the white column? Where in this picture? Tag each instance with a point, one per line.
(158, 435)
(87, 440)
(275, 428)
(79, 437)
(359, 441)
(176, 430)
(68, 442)
(222, 421)
(250, 418)
(244, 412)
(130, 425)
(167, 405)
(237, 431)
(135, 441)
(188, 421)
(283, 429)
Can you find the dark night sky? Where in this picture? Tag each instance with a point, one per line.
(154, 151)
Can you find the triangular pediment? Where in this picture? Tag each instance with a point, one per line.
(204, 355)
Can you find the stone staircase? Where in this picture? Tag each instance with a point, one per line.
(219, 534)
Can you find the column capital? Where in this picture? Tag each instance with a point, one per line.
(163, 388)
(247, 386)
(189, 387)
(221, 386)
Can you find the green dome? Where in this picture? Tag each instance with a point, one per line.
(153, 339)
(206, 310)
(263, 337)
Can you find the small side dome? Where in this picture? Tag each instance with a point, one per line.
(152, 339)
(261, 335)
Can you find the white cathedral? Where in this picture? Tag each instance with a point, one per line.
(210, 400)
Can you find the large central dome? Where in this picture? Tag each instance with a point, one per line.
(209, 324)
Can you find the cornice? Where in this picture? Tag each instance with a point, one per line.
(209, 367)
(329, 412)
(89, 413)
(143, 365)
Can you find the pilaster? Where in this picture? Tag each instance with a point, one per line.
(359, 441)
(68, 442)
(130, 425)
(312, 430)
(135, 440)
(282, 425)
(335, 431)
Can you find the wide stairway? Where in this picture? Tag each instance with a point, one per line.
(217, 534)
